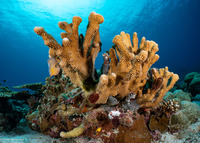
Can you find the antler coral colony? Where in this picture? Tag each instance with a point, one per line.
(129, 65)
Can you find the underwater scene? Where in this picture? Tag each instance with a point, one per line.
(100, 71)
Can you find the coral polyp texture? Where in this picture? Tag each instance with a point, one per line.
(129, 68)
(125, 74)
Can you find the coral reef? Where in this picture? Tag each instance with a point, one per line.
(188, 112)
(190, 84)
(14, 106)
(178, 95)
(104, 104)
(58, 91)
(137, 133)
(160, 116)
(128, 71)
(32, 86)
(196, 99)
(194, 85)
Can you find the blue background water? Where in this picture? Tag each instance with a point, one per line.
(173, 24)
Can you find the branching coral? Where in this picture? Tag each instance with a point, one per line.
(77, 55)
(52, 109)
(32, 86)
(160, 87)
(126, 70)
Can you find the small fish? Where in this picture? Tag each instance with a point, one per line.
(106, 64)
(98, 130)
(54, 68)
(4, 80)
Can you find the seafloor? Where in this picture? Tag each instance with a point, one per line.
(23, 134)
(161, 124)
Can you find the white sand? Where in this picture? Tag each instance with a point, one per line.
(23, 134)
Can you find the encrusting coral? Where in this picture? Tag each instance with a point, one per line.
(126, 71)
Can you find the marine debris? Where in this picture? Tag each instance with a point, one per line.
(122, 97)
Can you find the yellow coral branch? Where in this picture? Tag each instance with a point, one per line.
(128, 68)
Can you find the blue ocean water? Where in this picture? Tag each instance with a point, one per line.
(173, 24)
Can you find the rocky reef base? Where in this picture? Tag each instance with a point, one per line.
(176, 119)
